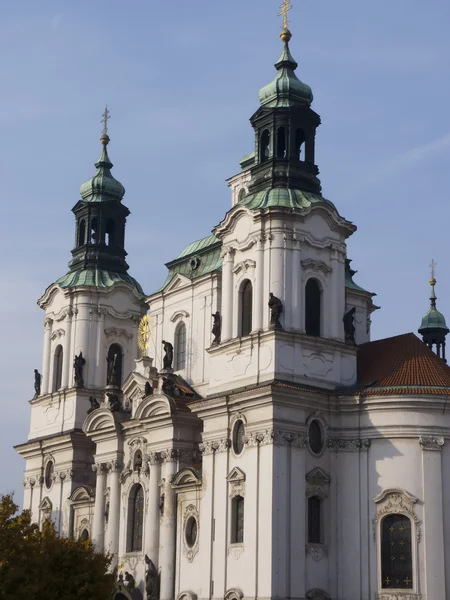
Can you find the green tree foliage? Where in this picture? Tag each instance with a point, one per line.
(40, 565)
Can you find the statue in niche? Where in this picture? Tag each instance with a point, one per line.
(137, 465)
(37, 383)
(217, 328)
(114, 402)
(168, 355)
(168, 386)
(148, 390)
(78, 365)
(349, 326)
(276, 308)
(94, 404)
(111, 378)
(151, 580)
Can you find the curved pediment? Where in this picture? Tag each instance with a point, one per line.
(187, 477)
(158, 405)
(83, 492)
(99, 420)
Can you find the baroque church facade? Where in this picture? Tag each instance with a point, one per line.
(259, 445)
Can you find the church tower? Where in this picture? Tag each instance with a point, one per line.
(433, 328)
(90, 341)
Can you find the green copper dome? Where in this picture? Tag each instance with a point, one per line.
(283, 198)
(99, 278)
(433, 320)
(102, 186)
(286, 89)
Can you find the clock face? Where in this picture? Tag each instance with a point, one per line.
(143, 333)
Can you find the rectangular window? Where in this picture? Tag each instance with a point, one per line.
(314, 520)
(237, 518)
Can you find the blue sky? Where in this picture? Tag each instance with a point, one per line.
(181, 80)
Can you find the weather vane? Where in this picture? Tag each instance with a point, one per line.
(106, 116)
(433, 266)
(285, 8)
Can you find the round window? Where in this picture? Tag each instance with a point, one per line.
(238, 437)
(49, 471)
(191, 531)
(315, 437)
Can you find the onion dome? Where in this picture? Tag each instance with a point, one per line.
(286, 89)
(102, 186)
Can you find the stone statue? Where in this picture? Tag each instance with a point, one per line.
(148, 390)
(349, 326)
(151, 580)
(111, 378)
(168, 356)
(78, 365)
(37, 383)
(168, 386)
(94, 404)
(114, 402)
(217, 328)
(130, 583)
(276, 308)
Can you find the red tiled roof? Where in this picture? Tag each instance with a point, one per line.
(404, 364)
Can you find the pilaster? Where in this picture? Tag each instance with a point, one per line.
(98, 528)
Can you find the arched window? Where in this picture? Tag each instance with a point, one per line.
(242, 194)
(57, 368)
(82, 232)
(312, 307)
(110, 232)
(265, 146)
(246, 308)
(237, 520)
(114, 360)
(314, 520)
(299, 141)
(180, 347)
(84, 535)
(135, 519)
(94, 231)
(49, 472)
(281, 143)
(396, 552)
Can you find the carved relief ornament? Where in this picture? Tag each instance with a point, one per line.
(398, 596)
(431, 443)
(341, 445)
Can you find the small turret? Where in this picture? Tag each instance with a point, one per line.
(433, 328)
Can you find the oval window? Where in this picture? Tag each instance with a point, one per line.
(191, 531)
(315, 437)
(238, 437)
(49, 471)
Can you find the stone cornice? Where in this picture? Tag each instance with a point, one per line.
(431, 443)
(214, 446)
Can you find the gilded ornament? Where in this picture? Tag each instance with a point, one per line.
(143, 333)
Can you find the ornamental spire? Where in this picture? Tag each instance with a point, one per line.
(285, 34)
(433, 266)
(106, 116)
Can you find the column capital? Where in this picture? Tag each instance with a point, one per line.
(228, 253)
(170, 455)
(99, 468)
(114, 466)
(431, 443)
(48, 322)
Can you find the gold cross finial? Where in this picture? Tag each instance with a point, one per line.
(106, 116)
(285, 8)
(433, 266)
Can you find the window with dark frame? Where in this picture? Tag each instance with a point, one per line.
(238, 437)
(314, 520)
(137, 519)
(246, 308)
(312, 308)
(57, 368)
(396, 553)
(237, 533)
(315, 437)
(180, 347)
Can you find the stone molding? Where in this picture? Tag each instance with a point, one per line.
(398, 596)
(431, 443)
(189, 512)
(395, 501)
(116, 332)
(234, 594)
(235, 550)
(342, 445)
(317, 552)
